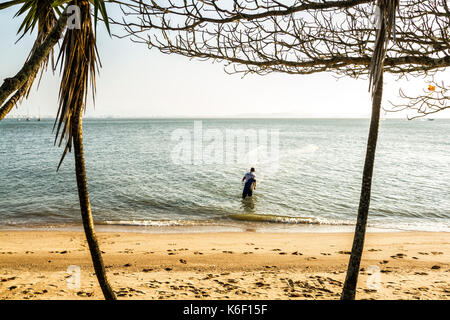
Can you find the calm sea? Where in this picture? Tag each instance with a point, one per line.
(155, 173)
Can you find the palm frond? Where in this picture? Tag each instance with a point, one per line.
(46, 20)
(40, 13)
(8, 4)
(78, 58)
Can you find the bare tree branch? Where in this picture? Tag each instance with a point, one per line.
(433, 99)
(292, 36)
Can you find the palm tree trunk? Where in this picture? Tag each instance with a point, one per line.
(86, 213)
(7, 107)
(351, 279)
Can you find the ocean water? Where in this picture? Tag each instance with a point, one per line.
(156, 173)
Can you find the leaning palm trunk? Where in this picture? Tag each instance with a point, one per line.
(387, 20)
(85, 205)
(19, 84)
(78, 54)
(46, 22)
(9, 105)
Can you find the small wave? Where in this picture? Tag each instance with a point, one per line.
(154, 223)
(273, 218)
(251, 217)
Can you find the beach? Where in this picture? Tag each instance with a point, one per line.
(223, 265)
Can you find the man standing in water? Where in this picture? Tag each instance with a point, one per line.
(250, 179)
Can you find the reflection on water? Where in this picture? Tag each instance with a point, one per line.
(248, 204)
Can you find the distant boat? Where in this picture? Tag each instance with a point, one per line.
(430, 119)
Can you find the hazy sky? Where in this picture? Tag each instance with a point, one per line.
(138, 82)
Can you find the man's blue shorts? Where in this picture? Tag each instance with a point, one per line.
(248, 188)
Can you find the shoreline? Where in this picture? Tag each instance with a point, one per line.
(205, 229)
(225, 265)
(237, 227)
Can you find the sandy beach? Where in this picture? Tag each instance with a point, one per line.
(241, 265)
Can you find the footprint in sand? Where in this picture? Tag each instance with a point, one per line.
(290, 283)
(399, 256)
(436, 267)
(8, 279)
(370, 290)
(41, 292)
(262, 284)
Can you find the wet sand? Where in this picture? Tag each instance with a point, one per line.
(235, 265)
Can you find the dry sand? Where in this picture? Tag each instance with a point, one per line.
(246, 265)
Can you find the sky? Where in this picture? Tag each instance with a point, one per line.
(135, 81)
